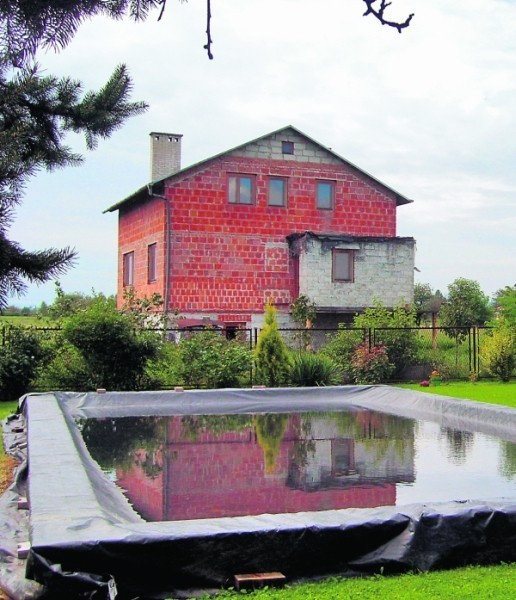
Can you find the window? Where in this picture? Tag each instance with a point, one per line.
(343, 265)
(287, 147)
(241, 189)
(277, 191)
(325, 194)
(128, 269)
(151, 263)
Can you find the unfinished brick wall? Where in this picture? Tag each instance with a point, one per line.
(227, 260)
(139, 227)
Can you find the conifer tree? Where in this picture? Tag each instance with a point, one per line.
(36, 112)
(272, 358)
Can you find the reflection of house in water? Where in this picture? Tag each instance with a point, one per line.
(323, 462)
(355, 458)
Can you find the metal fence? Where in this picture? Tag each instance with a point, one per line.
(455, 352)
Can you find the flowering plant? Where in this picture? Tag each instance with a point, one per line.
(435, 378)
(424, 383)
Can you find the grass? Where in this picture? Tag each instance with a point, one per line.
(25, 321)
(465, 583)
(485, 391)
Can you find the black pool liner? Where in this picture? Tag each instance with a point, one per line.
(86, 540)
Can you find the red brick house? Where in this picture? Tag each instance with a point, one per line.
(274, 218)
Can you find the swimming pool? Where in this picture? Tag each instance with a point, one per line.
(86, 533)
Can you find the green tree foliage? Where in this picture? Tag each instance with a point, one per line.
(63, 367)
(505, 304)
(66, 305)
(426, 301)
(394, 329)
(272, 358)
(146, 311)
(467, 306)
(303, 311)
(19, 357)
(166, 369)
(499, 350)
(211, 361)
(26, 25)
(340, 348)
(114, 350)
(36, 112)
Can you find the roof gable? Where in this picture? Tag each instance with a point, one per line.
(266, 146)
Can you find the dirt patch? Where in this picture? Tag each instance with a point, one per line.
(7, 466)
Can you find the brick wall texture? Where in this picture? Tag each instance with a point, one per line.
(231, 258)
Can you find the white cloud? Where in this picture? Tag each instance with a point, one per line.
(430, 112)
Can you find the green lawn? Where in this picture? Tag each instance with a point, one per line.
(30, 321)
(484, 391)
(467, 583)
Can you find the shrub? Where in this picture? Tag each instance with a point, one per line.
(114, 350)
(272, 358)
(341, 347)
(371, 366)
(310, 369)
(396, 330)
(211, 361)
(19, 357)
(167, 367)
(63, 368)
(499, 351)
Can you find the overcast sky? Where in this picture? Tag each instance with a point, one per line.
(430, 112)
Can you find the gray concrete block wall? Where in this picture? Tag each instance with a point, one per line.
(382, 269)
(304, 150)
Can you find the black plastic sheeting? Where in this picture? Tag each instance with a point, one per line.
(87, 542)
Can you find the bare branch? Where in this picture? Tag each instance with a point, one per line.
(209, 42)
(380, 14)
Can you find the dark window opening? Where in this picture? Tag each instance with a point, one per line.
(287, 147)
(151, 263)
(128, 269)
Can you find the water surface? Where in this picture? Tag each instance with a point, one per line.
(193, 467)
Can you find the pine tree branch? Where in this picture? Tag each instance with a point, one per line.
(17, 264)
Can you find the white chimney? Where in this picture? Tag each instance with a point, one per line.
(165, 154)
